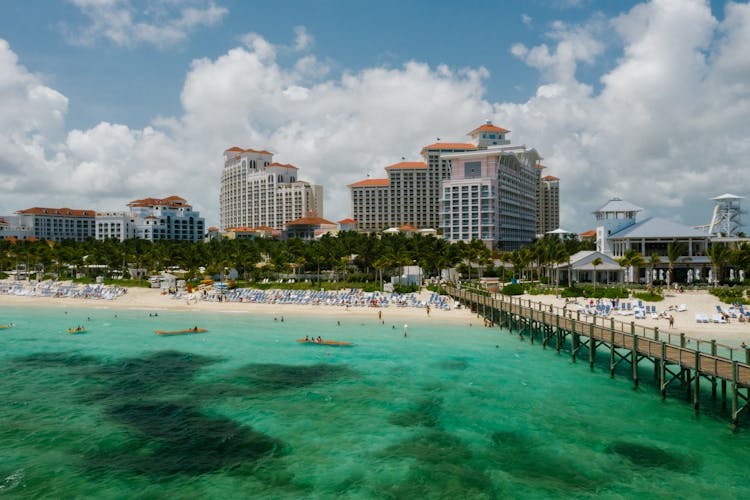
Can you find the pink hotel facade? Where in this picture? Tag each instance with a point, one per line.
(485, 189)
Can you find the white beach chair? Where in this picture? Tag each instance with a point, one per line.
(718, 318)
(682, 308)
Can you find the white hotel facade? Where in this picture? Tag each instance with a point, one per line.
(256, 191)
(153, 219)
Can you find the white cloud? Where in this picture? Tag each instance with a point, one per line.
(302, 40)
(666, 127)
(120, 23)
(661, 132)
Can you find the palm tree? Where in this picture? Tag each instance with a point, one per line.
(718, 255)
(596, 262)
(675, 250)
(559, 256)
(653, 261)
(381, 263)
(634, 259)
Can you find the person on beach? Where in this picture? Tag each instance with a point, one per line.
(671, 321)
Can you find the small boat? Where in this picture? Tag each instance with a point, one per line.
(180, 332)
(5, 327)
(77, 330)
(325, 342)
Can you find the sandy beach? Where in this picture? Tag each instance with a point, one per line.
(732, 333)
(153, 300)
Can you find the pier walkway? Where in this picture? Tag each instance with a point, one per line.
(675, 358)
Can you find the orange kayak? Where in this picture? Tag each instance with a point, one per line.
(325, 342)
(180, 332)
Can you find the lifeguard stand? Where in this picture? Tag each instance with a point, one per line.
(726, 219)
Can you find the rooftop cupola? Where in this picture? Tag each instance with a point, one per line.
(489, 135)
(611, 218)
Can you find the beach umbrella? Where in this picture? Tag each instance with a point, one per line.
(710, 276)
(690, 276)
(731, 274)
(742, 275)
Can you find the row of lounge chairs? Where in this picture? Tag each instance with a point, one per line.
(61, 290)
(724, 315)
(625, 308)
(349, 298)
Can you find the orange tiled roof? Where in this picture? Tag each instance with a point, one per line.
(250, 229)
(540, 166)
(371, 182)
(236, 149)
(286, 165)
(588, 234)
(407, 228)
(212, 228)
(550, 178)
(347, 221)
(169, 201)
(450, 145)
(69, 212)
(309, 221)
(407, 164)
(488, 127)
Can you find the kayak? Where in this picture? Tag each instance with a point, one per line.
(3, 327)
(180, 332)
(325, 342)
(77, 330)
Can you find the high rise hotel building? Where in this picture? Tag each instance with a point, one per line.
(410, 196)
(485, 189)
(548, 203)
(256, 191)
(491, 195)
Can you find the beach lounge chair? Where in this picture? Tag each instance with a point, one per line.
(639, 314)
(682, 308)
(718, 318)
(698, 318)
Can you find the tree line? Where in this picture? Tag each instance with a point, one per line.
(348, 256)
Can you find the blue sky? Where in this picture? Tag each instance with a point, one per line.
(130, 84)
(106, 101)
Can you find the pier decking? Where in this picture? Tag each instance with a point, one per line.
(676, 358)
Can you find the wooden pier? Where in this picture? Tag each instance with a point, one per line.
(675, 358)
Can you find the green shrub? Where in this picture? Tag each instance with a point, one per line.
(731, 295)
(512, 289)
(649, 297)
(405, 288)
(595, 293)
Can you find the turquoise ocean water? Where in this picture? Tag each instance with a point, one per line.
(245, 411)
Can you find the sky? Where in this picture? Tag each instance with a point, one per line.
(107, 101)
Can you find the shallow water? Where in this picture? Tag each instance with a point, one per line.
(244, 410)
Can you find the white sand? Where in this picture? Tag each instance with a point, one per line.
(731, 334)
